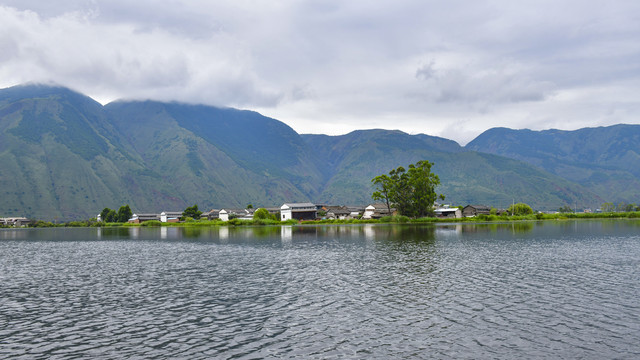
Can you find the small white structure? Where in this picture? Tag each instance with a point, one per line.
(447, 212)
(376, 211)
(298, 211)
(368, 212)
(170, 216)
(223, 215)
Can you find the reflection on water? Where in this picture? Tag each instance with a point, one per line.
(513, 227)
(370, 232)
(564, 289)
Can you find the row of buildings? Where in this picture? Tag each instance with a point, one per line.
(288, 211)
(310, 211)
(14, 221)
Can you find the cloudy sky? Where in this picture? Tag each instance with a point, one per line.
(447, 68)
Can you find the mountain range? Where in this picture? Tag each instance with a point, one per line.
(65, 156)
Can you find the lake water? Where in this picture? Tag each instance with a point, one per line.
(527, 290)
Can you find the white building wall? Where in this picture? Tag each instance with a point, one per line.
(285, 213)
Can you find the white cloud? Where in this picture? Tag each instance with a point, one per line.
(452, 69)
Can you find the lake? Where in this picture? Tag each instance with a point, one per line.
(554, 289)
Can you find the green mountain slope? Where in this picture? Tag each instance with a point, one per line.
(466, 176)
(218, 157)
(605, 159)
(65, 156)
(59, 157)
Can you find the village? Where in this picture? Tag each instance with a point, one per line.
(310, 211)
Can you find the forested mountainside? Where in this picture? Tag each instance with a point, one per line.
(65, 156)
(605, 160)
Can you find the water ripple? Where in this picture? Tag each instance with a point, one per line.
(334, 292)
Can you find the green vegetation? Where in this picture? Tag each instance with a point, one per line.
(111, 216)
(385, 220)
(411, 191)
(191, 212)
(263, 214)
(520, 209)
(603, 159)
(108, 215)
(124, 213)
(565, 209)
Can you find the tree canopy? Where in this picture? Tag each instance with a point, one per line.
(262, 213)
(411, 192)
(520, 209)
(124, 213)
(192, 212)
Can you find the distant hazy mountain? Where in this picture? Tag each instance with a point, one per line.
(605, 159)
(63, 155)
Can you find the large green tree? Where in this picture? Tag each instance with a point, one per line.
(411, 191)
(192, 212)
(261, 213)
(520, 209)
(109, 215)
(124, 213)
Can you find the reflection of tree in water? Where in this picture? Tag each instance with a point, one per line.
(408, 234)
(409, 249)
(515, 227)
(192, 232)
(116, 232)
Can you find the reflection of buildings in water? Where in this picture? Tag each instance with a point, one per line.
(369, 234)
(134, 232)
(286, 233)
(331, 231)
(170, 232)
(449, 231)
(355, 231)
(223, 233)
(245, 232)
(13, 234)
(99, 232)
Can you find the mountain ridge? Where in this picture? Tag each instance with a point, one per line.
(605, 159)
(64, 155)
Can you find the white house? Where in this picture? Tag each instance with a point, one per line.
(170, 216)
(223, 215)
(298, 211)
(139, 218)
(368, 212)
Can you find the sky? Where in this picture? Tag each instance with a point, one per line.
(444, 68)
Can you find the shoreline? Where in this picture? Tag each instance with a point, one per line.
(386, 220)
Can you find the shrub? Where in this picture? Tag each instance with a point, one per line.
(151, 223)
(261, 214)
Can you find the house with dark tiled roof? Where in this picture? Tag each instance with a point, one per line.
(336, 212)
(448, 212)
(298, 211)
(139, 218)
(475, 210)
(376, 211)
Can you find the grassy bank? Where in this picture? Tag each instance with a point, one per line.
(384, 220)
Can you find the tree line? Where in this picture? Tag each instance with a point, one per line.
(123, 214)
